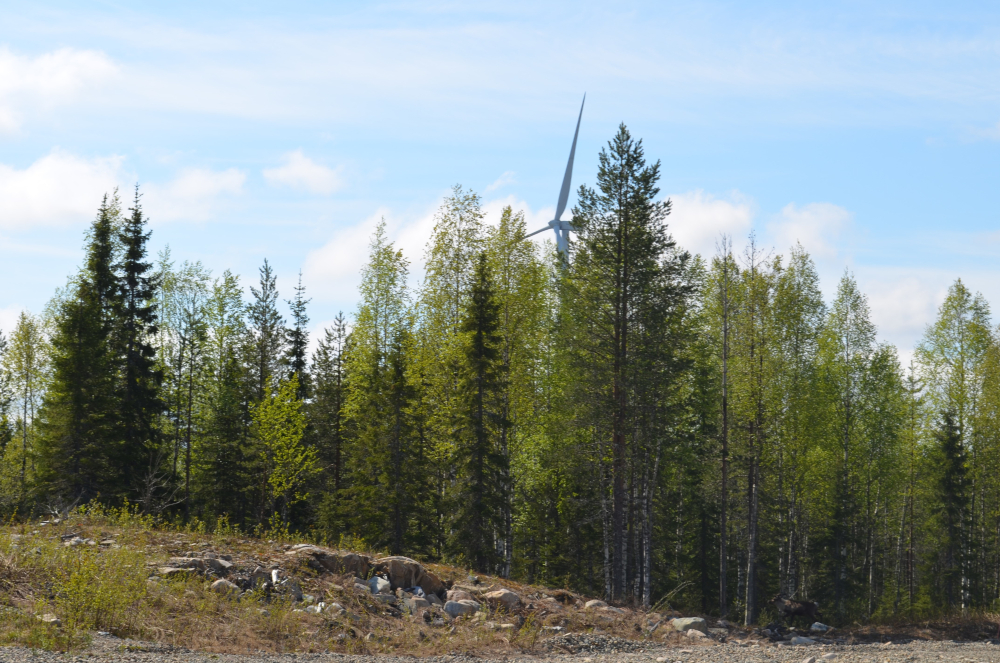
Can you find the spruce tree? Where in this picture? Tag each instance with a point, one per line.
(478, 500)
(80, 441)
(138, 395)
(298, 340)
(953, 507)
(266, 341)
(326, 416)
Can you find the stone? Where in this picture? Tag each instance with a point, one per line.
(507, 627)
(361, 587)
(722, 623)
(334, 609)
(595, 603)
(505, 598)
(173, 572)
(612, 609)
(325, 560)
(219, 566)
(718, 631)
(293, 589)
(415, 603)
(51, 619)
(694, 633)
(224, 587)
(386, 598)
(801, 640)
(187, 563)
(314, 609)
(406, 573)
(379, 585)
(818, 627)
(684, 624)
(459, 595)
(554, 629)
(460, 608)
(811, 659)
(433, 599)
(829, 656)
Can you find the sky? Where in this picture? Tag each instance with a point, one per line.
(868, 132)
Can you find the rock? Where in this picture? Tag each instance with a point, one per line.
(829, 657)
(314, 609)
(722, 623)
(554, 629)
(187, 563)
(386, 598)
(505, 598)
(507, 627)
(293, 589)
(800, 640)
(219, 566)
(172, 572)
(51, 619)
(325, 560)
(433, 599)
(379, 585)
(459, 595)
(811, 659)
(694, 633)
(405, 572)
(225, 588)
(308, 599)
(684, 624)
(595, 603)
(460, 608)
(611, 608)
(415, 603)
(718, 631)
(334, 609)
(818, 627)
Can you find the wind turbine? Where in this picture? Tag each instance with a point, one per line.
(563, 228)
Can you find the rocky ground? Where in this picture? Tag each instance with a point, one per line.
(599, 650)
(98, 590)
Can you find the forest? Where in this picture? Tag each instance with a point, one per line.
(627, 420)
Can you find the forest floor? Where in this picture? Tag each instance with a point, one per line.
(103, 587)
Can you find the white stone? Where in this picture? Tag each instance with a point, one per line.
(683, 624)
(694, 633)
(811, 659)
(829, 657)
(460, 608)
(379, 585)
(225, 588)
(800, 640)
(595, 603)
(49, 618)
(818, 627)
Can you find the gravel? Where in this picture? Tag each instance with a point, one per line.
(589, 648)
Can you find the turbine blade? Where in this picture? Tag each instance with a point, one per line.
(540, 230)
(564, 192)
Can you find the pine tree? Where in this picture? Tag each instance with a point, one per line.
(138, 395)
(298, 339)
(480, 465)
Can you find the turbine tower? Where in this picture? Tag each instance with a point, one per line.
(563, 228)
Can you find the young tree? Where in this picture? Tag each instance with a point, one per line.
(952, 507)
(25, 363)
(327, 419)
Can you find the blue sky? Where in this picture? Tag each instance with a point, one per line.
(285, 130)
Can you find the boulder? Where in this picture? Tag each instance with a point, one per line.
(818, 627)
(51, 619)
(694, 634)
(595, 603)
(415, 603)
(379, 585)
(684, 624)
(386, 598)
(460, 608)
(334, 609)
(225, 588)
(433, 599)
(405, 572)
(218, 565)
(505, 598)
(800, 640)
(325, 560)
(187, 563)
(458, 595)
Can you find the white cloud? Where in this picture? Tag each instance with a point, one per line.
(903, 301)
(57, 189)
(698, 219)
(816, 226)
(47, 80)
(301, 172)
(502, 181)
(8, 318)
(193, 195)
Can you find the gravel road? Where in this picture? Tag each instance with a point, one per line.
(112, 649)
